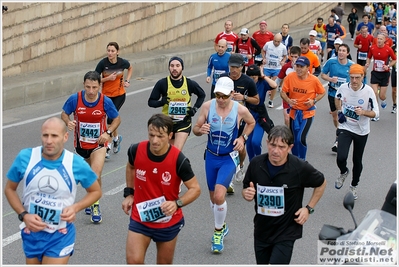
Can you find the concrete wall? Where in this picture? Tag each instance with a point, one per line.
(42, 36)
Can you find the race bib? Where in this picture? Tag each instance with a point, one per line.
(49, 210)
(150, 211)
(362, 55)
(331, 36)
(319, 36)
(229, 48)
(378, 65)
(217, 73)
(350, 113)
(270, 200)
(177, 110)
(89, 132)
(244, 55)
(236, 159)
(339, 82)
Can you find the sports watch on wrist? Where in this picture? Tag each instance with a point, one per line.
(179, 203)
(21, 215)
(310, 209)
(245, 137)
(109, 132)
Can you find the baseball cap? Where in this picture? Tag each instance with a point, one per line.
(313, 33)
(236, 60)
(338, 20)
(253, 70)
(224, 85)
(244, 31)
(302, 61)
(263, 22)
(338, 41)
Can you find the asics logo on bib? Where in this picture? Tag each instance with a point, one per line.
(150, 204)
(268, 190)
(88, 125)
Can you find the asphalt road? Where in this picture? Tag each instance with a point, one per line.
(105, 243)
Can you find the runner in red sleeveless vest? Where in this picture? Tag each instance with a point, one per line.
(90, 109)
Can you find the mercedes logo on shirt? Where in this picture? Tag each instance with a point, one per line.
(48, 184)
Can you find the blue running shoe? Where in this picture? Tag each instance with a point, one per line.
(117, 144)
(225, 230)
(88, 211)
(217, 244)
(384, 104)
(96, 216)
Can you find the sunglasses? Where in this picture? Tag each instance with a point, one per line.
(222, 96)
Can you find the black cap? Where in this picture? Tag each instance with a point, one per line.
(253, 70)
(236, 60)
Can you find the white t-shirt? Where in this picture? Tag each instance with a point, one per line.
(274, 55)
(364, 98)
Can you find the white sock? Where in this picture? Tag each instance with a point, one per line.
(220, 212)
(212, 205)
(116, 138)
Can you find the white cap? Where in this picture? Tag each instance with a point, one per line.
(224, 85)
(244, 31)
(338, 41)
(313, 33)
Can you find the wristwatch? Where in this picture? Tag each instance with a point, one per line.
(314, 102)
(245, 137)
(245, 97)
(109, 132)
(310, 209)
(21, 215)
(179, 203)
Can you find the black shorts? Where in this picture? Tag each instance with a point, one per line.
(118, 102)
(330, 46)
(380, 78)
(361, 62)
(393, 78)
(331, 101)
(85, 153)
(157, 234)
(182, 126)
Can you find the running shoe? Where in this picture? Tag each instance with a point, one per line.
(384, 104)
(375, 119)
(225, 230)
(230, 189)
(341, 179)
(270, 104)
(239, 175)
(117, 144)
(354, 191)
(335, 147)
(217, 244)
(96, 216)
(107, 155)
(393, 109)
(88, 211)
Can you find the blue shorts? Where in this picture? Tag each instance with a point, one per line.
(55, 245)
(271, 72)
(157, 234)
(219, 170)
(323, 45)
